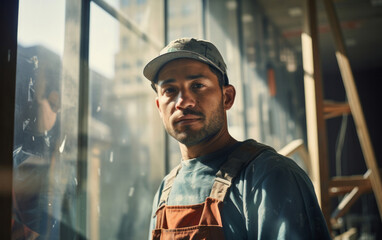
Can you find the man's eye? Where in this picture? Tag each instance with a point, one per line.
(197, 85)
(169, 90)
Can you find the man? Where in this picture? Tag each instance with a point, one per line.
(223, 188)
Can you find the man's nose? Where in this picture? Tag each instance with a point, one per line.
(185, 100)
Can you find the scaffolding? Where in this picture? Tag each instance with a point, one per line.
(318, 110)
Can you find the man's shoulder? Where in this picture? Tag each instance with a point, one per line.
(266, 156)
(273, 161)
(247, 151)
(268, 162)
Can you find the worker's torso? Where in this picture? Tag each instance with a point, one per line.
(203, 220)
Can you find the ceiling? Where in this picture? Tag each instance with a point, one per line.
(361, 22)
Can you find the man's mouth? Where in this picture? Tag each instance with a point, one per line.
(188, 116)
(187, 119)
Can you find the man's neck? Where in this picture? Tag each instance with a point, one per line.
(219, 141)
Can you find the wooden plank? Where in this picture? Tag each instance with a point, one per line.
(335, 109)
(350, 234)
(291, 148)
(351, 181)
(342, 187)
(355, 105)
(297, 146)
(361, 185)
(316, 128)
(345, 204)
(340, 191)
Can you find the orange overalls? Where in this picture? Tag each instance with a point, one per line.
(202, 221)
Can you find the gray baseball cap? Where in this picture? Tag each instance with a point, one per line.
(197, 49)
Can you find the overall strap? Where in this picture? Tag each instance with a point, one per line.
(168, 185)
(236, 161)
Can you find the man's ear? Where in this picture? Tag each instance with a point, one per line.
(157, 104)
(229, 94)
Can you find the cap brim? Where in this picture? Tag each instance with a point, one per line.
(152, 68)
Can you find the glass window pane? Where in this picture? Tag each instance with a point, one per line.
(126, 147)
(259, 63)
(253, 64)
(223, 32)
(271, 86)
(45, 142)
(185, 19)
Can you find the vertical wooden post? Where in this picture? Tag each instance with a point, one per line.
(354, 103)
(316, 128)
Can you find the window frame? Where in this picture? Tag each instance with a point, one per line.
(8, 53)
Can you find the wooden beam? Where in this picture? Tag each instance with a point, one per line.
(335, 109)
(297, 146)
(359, 185)
(342, 185)
(348, 201)
(352, 181)
(316, 128)
(350, 234)
(355, 105)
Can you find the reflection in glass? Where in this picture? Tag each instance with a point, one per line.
(36, 139)
(44, 180)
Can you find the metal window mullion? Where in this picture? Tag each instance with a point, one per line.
(167, 166)
(204, 18)
(242, 69)
(8, 61)
(125, 21)
(83, 118)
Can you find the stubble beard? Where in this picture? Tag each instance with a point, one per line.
(191, 137)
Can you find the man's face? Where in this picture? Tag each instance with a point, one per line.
(190, 101)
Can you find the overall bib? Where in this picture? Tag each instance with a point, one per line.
(202, 221)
